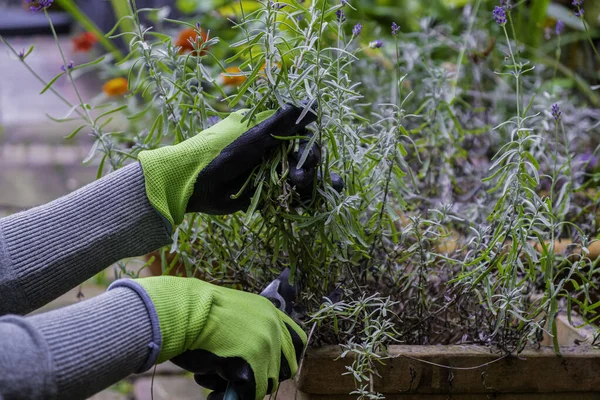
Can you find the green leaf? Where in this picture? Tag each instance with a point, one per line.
(249, 40)
(182, 23)
(101, 167)
(530, 104)
(402, 149)
(96, 61)
(254, 203)
(155, 125)
(52, 81)
(242, 90)
(304, 156)
(75, 132)
(28, 52)
(163, 37)
(141, 113)
(92, 152)
(114, 110)
(117, 24)
(535, 162)
(123, 9)
(61, 120)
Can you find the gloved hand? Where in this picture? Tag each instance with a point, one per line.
(303, 178)
(201, 173)
(227, 335)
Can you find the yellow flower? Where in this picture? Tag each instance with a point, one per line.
(115, 87)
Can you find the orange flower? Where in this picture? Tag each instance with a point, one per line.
(115, 87)
(188, 36)
(84, 41)
(236, 80)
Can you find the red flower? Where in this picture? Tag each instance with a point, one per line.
(84, 42)
(188, 36)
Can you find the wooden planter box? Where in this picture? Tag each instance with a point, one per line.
(414, 373)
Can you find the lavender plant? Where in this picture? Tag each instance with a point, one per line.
(434, 239)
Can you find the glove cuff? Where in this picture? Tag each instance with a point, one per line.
(182, 307)
(170, 174)
(156, 342)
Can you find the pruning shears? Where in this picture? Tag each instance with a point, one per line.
(282, 294)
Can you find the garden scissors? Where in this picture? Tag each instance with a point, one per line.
(282, 294)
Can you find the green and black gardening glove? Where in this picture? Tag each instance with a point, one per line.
(223, 336)
(202, 173)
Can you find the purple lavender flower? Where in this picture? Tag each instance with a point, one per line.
(343, 2)
(357, 29)
(278, 6)
(213, 120)
(499, 15)
(376, 44)
(37, 5)
(505, 4)
(560, 27)
(578, 4)
(589, 160)
(556, 112)
(341, 17)
(70, 65)
(21, 54)
(395, 29)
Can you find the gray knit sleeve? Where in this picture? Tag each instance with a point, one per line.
(76, 351)
(48, 250)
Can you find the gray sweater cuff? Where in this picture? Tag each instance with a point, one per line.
(97, 342)
(156, 343)
(48, 250)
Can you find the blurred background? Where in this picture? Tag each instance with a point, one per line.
(37, 164)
